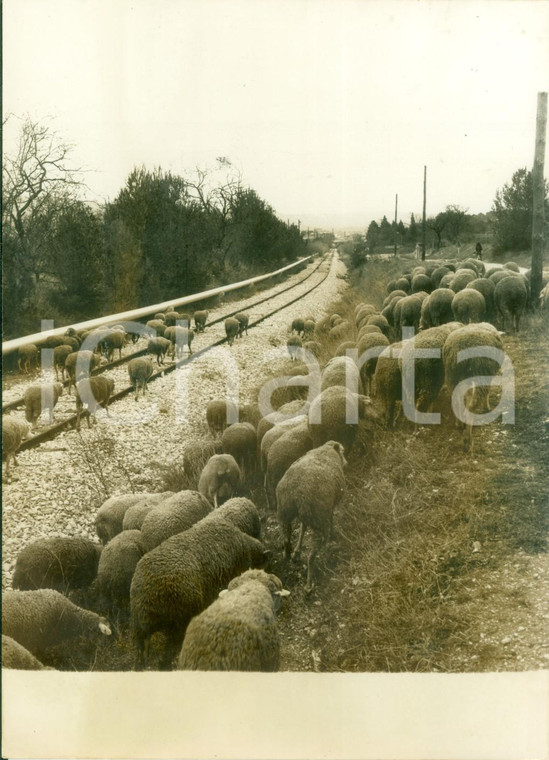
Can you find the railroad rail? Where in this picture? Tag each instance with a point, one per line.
(145, 311)
(16, 403)
(53, 430)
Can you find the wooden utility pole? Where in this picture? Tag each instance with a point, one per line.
(396, 210)
(424, 208)
(539, 199)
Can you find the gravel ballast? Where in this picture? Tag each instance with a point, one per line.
(58, 486)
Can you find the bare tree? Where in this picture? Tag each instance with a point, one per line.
(437, 224)
(36, 180)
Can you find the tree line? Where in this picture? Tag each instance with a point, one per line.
(163, 236)
(507, 226)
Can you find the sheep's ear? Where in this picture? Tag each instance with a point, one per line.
(105, 629)
(283, 593)
(223, 592)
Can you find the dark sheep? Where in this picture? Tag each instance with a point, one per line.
(195, 458)
(115, 341)
(60, 354)
(62, 563)
(294, 344)
(238, 630)
(309, 492)
(181, 577)
(298, 326)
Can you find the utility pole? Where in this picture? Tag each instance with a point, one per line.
(424, 207)
(396, 211)
(539, 199)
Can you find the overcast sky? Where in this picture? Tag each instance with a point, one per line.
(327, 107)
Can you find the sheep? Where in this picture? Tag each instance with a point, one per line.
(219, 479)
(114, 341)
(461, 278)
(342, 349)
(71, 340)
(334, 319)
(159, 347)
(232, 329)
(171, 317)
(200, 319)
(161, 316)
(294, 344)
(313, 347)
(500, 274)
(116, 567)
(328, 416)
(249, 413)
(62, 563)
(156, 325)
(407, 313)
(368, 367)
(474, 264)
(468, 306)
(43, 618)
(512, 266)
(480, 335)
(368, 330)
(437, 275)
(14, 432)
(284, 413)
(273, 435)
(403, 284)
(53, 341)
(110, 515)
(240, 440)
(135, 515)
(38, 398)
(340, 331)
(243, 320)
(428, 371)
(487, 288)
(291, 445)
(309, 491)
(421, 282)
(341, 370)
(362, 310)
(16, 657)
(394, 294)
(140, 370)
(26, 357)
(511, 297)
(239, 512)
(178, 579)
(389, 311)
(195, 457)
(388, 382)
(298, 326)
(81, 362)
(309, 328)
(446, 280)
(238, 630)
(179, 338)
(437, 309)
(173, 515)
(219, 414)
(60, 354)
(96, 393)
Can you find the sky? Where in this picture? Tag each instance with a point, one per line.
(327, 107)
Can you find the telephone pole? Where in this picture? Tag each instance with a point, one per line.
(539, 198)
(396, 233)
(424, 207)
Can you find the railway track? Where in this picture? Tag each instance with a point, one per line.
(54, 430)
(17, 403)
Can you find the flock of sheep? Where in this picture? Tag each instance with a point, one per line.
(189, 565)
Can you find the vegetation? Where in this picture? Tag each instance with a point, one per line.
(162, 236)
(512, 211)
